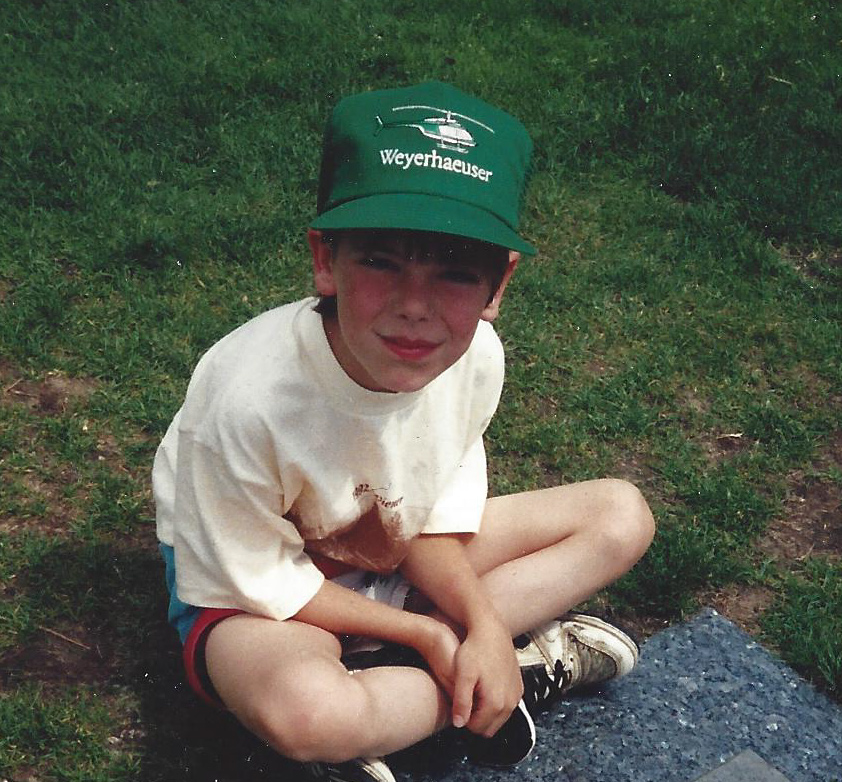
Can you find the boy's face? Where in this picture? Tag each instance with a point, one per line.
(406, 307)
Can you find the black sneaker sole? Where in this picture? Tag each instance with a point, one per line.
(509, 746)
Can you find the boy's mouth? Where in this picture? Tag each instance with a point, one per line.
(412, 349)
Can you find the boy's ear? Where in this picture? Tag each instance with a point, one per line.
(492, 309)
(322, 263)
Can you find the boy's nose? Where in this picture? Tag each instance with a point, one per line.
(413, 296)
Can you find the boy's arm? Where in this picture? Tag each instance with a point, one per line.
(342, 611)
(487, 681)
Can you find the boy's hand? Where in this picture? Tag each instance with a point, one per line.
(439, 647)
(486, 677)
(488, 684)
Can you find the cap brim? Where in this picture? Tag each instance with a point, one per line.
(422, 212)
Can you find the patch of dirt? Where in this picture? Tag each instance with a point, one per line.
(638, 626)
(812, 264)
(596, 367)
(46, 496)
(725, 446)
(50, 491)
(693, 401)
(633, 469)
(24, 774)
(58, 658)
(742, 604)
(810, 525)
(55, 394)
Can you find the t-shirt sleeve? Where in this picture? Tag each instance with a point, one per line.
(460, 506)
(233, 547)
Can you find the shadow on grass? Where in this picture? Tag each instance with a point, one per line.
(103, 627)
(108, 633)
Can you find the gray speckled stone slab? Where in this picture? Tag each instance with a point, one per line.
(748, 766)
(703, 693)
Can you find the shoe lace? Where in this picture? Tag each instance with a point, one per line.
(541, 688)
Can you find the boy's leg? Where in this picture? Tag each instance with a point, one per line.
(538, 553)
(284, 681)
(542, 552)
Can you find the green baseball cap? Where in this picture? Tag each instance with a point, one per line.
(426, 158)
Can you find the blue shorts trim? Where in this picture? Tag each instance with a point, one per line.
(182, 616)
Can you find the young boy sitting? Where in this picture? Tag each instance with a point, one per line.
(325, 479)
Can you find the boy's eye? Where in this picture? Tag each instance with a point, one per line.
(373, 262)
(462, 276)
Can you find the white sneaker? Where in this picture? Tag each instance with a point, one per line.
(574, 651)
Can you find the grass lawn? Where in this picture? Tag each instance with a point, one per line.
(680, 326)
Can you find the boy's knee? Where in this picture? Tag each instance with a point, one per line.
(629, 525)
(310, 722)
(294, 727)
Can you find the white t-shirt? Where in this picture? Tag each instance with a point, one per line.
(275, 448)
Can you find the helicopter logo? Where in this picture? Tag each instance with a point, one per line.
(445, 129)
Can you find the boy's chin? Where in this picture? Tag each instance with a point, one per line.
(405, 382)
(404, 385)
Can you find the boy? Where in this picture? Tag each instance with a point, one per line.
(325, 482)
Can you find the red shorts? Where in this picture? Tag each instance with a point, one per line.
(193, 653)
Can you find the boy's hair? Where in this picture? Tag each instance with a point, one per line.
(449, 249)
